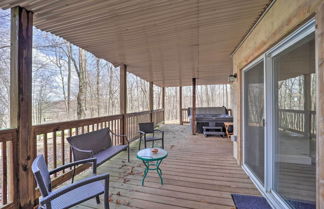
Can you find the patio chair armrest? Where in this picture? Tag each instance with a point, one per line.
(120, 135)
(82, 150)
(141, 132)
(162, 132)
(61, 191)
(158, 130)
(75, 163)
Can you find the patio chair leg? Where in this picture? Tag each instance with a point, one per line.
(106, 194)
(140, 141)
(98, 199)
(73, 174)
(152, 144)
(162, 143)
(128, 153)
(145, 143)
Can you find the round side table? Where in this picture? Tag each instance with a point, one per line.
(152, 161)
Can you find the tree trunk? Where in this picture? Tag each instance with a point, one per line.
(82, 86)
(110, 100)
(69, 80)
(98, 86)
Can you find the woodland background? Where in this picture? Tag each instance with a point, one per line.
(70, 83)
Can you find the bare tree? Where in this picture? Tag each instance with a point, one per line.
(98, 85)
(80, 69)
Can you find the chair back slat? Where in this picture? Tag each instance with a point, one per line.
(42, 176)
(146, 127)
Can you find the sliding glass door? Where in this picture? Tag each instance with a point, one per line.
(254, 120)
(279, 126)
(294, 108)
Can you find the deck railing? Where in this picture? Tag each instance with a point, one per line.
(50, 140)
(184, 112)
(8, 139)
(295, 121)
(158, 116)
(132, 120)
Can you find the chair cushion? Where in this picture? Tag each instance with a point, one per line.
(78, 195)
(109, 153)
(95, 141)
(41, 174)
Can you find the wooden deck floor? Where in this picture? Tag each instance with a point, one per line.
(198, 173)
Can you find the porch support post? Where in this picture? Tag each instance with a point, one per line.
(319, 43)
(151, 101)
(123, 98)
(21, 104)
(193, 113)
(180, 105)
(163, 103)
(307, 108)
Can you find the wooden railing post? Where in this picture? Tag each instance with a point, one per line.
(163, 103)
(180, 105)
(151, 97)
(21, 105)
(193, 113)
(123, 99)
(319, 43)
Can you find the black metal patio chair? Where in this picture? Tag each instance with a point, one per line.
(148, 134)
(73, 194)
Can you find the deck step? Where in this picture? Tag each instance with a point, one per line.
(213, 127)
(214, 133)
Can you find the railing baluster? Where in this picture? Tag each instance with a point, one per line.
(129, 132)
(63, 148)
(113, 130)
(54, 150)
(45, 148)
(70, 150)
(127, 126)
(135, 121)
(132, 127)
(118, 130)
(4, 173)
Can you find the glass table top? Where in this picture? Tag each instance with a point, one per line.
(148, 155)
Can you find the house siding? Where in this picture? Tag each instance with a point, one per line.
(280, 20)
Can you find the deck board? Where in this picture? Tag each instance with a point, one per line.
(198, 173)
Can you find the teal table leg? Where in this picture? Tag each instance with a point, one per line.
(155, 166)
(147, 168)
(158, 170)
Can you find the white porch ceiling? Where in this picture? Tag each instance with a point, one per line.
(168, 42)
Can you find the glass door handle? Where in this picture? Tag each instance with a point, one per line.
(263, 122)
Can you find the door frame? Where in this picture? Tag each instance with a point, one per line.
(246, 168)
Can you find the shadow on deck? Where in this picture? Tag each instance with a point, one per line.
(198, 173)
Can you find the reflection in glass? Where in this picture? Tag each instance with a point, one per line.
(294, 71)
(254, 129)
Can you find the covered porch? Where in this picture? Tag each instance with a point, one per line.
(178, 44)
